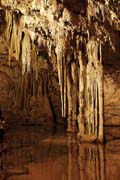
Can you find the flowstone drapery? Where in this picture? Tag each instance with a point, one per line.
(90, 118)
(85, 94)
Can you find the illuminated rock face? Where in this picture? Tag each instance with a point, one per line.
(66, 38)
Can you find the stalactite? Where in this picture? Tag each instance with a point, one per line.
(13, 34)
(100, 99)
(34, 60)
(29, 73)
(60, 52)
(17, 102)
(74, 95)
(14, 50)
(26, 52)
(9, 21)
(69, 100)
(81, 117)
(25, 90)
(21, 96)
(65, 90)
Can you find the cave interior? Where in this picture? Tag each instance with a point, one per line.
(60, 64)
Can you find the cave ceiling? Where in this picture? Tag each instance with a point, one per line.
(97, 19)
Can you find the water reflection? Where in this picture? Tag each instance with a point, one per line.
(86, 161)
(91, 162)
(28, 154)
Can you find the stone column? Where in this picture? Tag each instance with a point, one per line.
(90, 118)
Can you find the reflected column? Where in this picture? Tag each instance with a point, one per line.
(73, 168)
(91, 161)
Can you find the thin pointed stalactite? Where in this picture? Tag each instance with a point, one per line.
(60, 53)
(74, 95)
(65, 90)
(81, 116)
(69, 100)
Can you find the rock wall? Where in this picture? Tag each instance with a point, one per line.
(112, 95)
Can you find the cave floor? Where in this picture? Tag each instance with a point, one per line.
(29, 153)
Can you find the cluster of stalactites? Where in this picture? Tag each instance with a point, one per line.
(19, 41)
(42, 4)
(13, 35)
(80, 79)
(31, 85)
(81, 83)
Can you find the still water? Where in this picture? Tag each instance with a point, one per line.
(34, 154)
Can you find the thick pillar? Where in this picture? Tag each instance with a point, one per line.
(90, 118)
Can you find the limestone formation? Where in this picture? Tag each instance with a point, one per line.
(68, 38)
